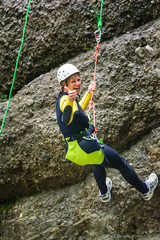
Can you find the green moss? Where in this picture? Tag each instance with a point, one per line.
(5, 207)
(3, 97)
(34, 192)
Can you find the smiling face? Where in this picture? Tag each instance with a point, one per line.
(74, 82)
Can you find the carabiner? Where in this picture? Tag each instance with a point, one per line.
(97, 35)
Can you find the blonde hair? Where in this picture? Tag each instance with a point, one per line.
(64, 81)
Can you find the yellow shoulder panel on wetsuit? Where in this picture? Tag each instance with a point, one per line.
(85, 101)
(64, 102)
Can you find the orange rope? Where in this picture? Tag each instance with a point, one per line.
(91, 101)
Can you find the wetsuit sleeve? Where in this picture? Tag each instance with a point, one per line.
(67, 108)
(85, 100)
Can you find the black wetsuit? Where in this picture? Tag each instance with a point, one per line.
(83, 149)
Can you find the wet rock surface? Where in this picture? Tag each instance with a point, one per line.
(58, 30)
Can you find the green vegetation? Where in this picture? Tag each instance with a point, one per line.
(8, 205)
(3, 97)
(34, 192)
(5, 207)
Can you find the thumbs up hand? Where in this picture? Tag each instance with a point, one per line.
(72, 94)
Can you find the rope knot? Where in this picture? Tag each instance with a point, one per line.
(90, 102)
(97, 48)
(99, 24)
(96, 129)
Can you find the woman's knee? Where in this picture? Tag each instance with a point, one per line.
(98, 169)
(115, 159)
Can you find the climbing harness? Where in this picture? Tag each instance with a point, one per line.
(14, 76)
(98, 39)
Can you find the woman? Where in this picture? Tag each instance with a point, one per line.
(81, 147)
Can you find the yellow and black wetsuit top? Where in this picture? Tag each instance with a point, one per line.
(72, 120)
(70, 115)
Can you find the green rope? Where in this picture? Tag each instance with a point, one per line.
(14, 76)
(99, 17)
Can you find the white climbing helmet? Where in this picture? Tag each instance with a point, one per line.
(66, 71)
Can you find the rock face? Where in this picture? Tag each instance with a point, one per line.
(32, 151)
(76, 213)
(58, 30)
(32, 155)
